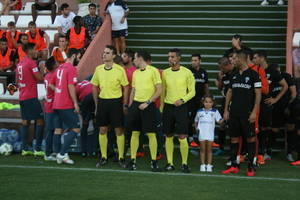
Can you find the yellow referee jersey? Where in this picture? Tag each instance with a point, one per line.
(144, 82)
(179, 84)
(110, 81)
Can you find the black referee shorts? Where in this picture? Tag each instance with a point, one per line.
(142, 120)
(110, 112)
(241, 127)
(175, 119)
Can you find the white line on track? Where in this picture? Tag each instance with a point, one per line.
(151, 173)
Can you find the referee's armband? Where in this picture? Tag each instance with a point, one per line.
(257, 85)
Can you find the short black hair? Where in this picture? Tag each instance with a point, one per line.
(11, 23)
(249, 53)
(261, 53)
(31, 23)
(274, 66)
(3, 39)
(114, 50)
(28, 47)
(118, 60)
(144, 54)
(62, 36)
(50, 63)
(72, 52)
(177, 51)
(237, 36)
(63, 6)
(224, 61)
(129, 53)
(77, 19)
(22, 35)
(197, 55)
(92, 5)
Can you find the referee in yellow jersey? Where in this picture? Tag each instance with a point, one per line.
(178, 89)
(109, 85)
(146, 88)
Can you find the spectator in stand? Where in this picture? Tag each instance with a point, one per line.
(40, 39)
(64, 21)
(20, 53)
(92, 22)
(6, 56)
(296, 58)
(118, 11)
(60, 53)
(9, 5)
(2, 33)
(78, 36)
(266, 2)
(12, 35)
(44, 5)
(237, 46)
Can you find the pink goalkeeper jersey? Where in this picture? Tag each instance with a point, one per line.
(83, 89)
(48, 104)
(64, 75)
(129, 72)
(26, 80)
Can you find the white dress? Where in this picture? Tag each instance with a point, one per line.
(206, 121)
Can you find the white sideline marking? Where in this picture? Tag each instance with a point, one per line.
(210, 11)
(206, 34)
(151, 173)
(207, 19)
(200, 26)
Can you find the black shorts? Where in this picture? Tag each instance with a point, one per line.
(31, 109)
(278, 116)
(110, 112)
(119, 33)
(142, 120)
(175, 119)
(66, 119)
(241, 127)
(265, 115)
(39, 7)
(87, 108)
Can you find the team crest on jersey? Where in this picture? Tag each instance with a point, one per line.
(234, 77)
(247, 79)
(202, 75)
(212, 115)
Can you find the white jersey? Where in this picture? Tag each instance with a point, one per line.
(206, 121)
(117, 12)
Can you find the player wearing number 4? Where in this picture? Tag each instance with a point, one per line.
(205, 125)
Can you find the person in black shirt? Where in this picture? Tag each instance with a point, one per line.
(223, 82)
(268, 101)
(281, 108)
(201, 88)
(237, 46)
(244, 94)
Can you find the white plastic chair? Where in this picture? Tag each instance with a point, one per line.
(23, 21)
(4, 19)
